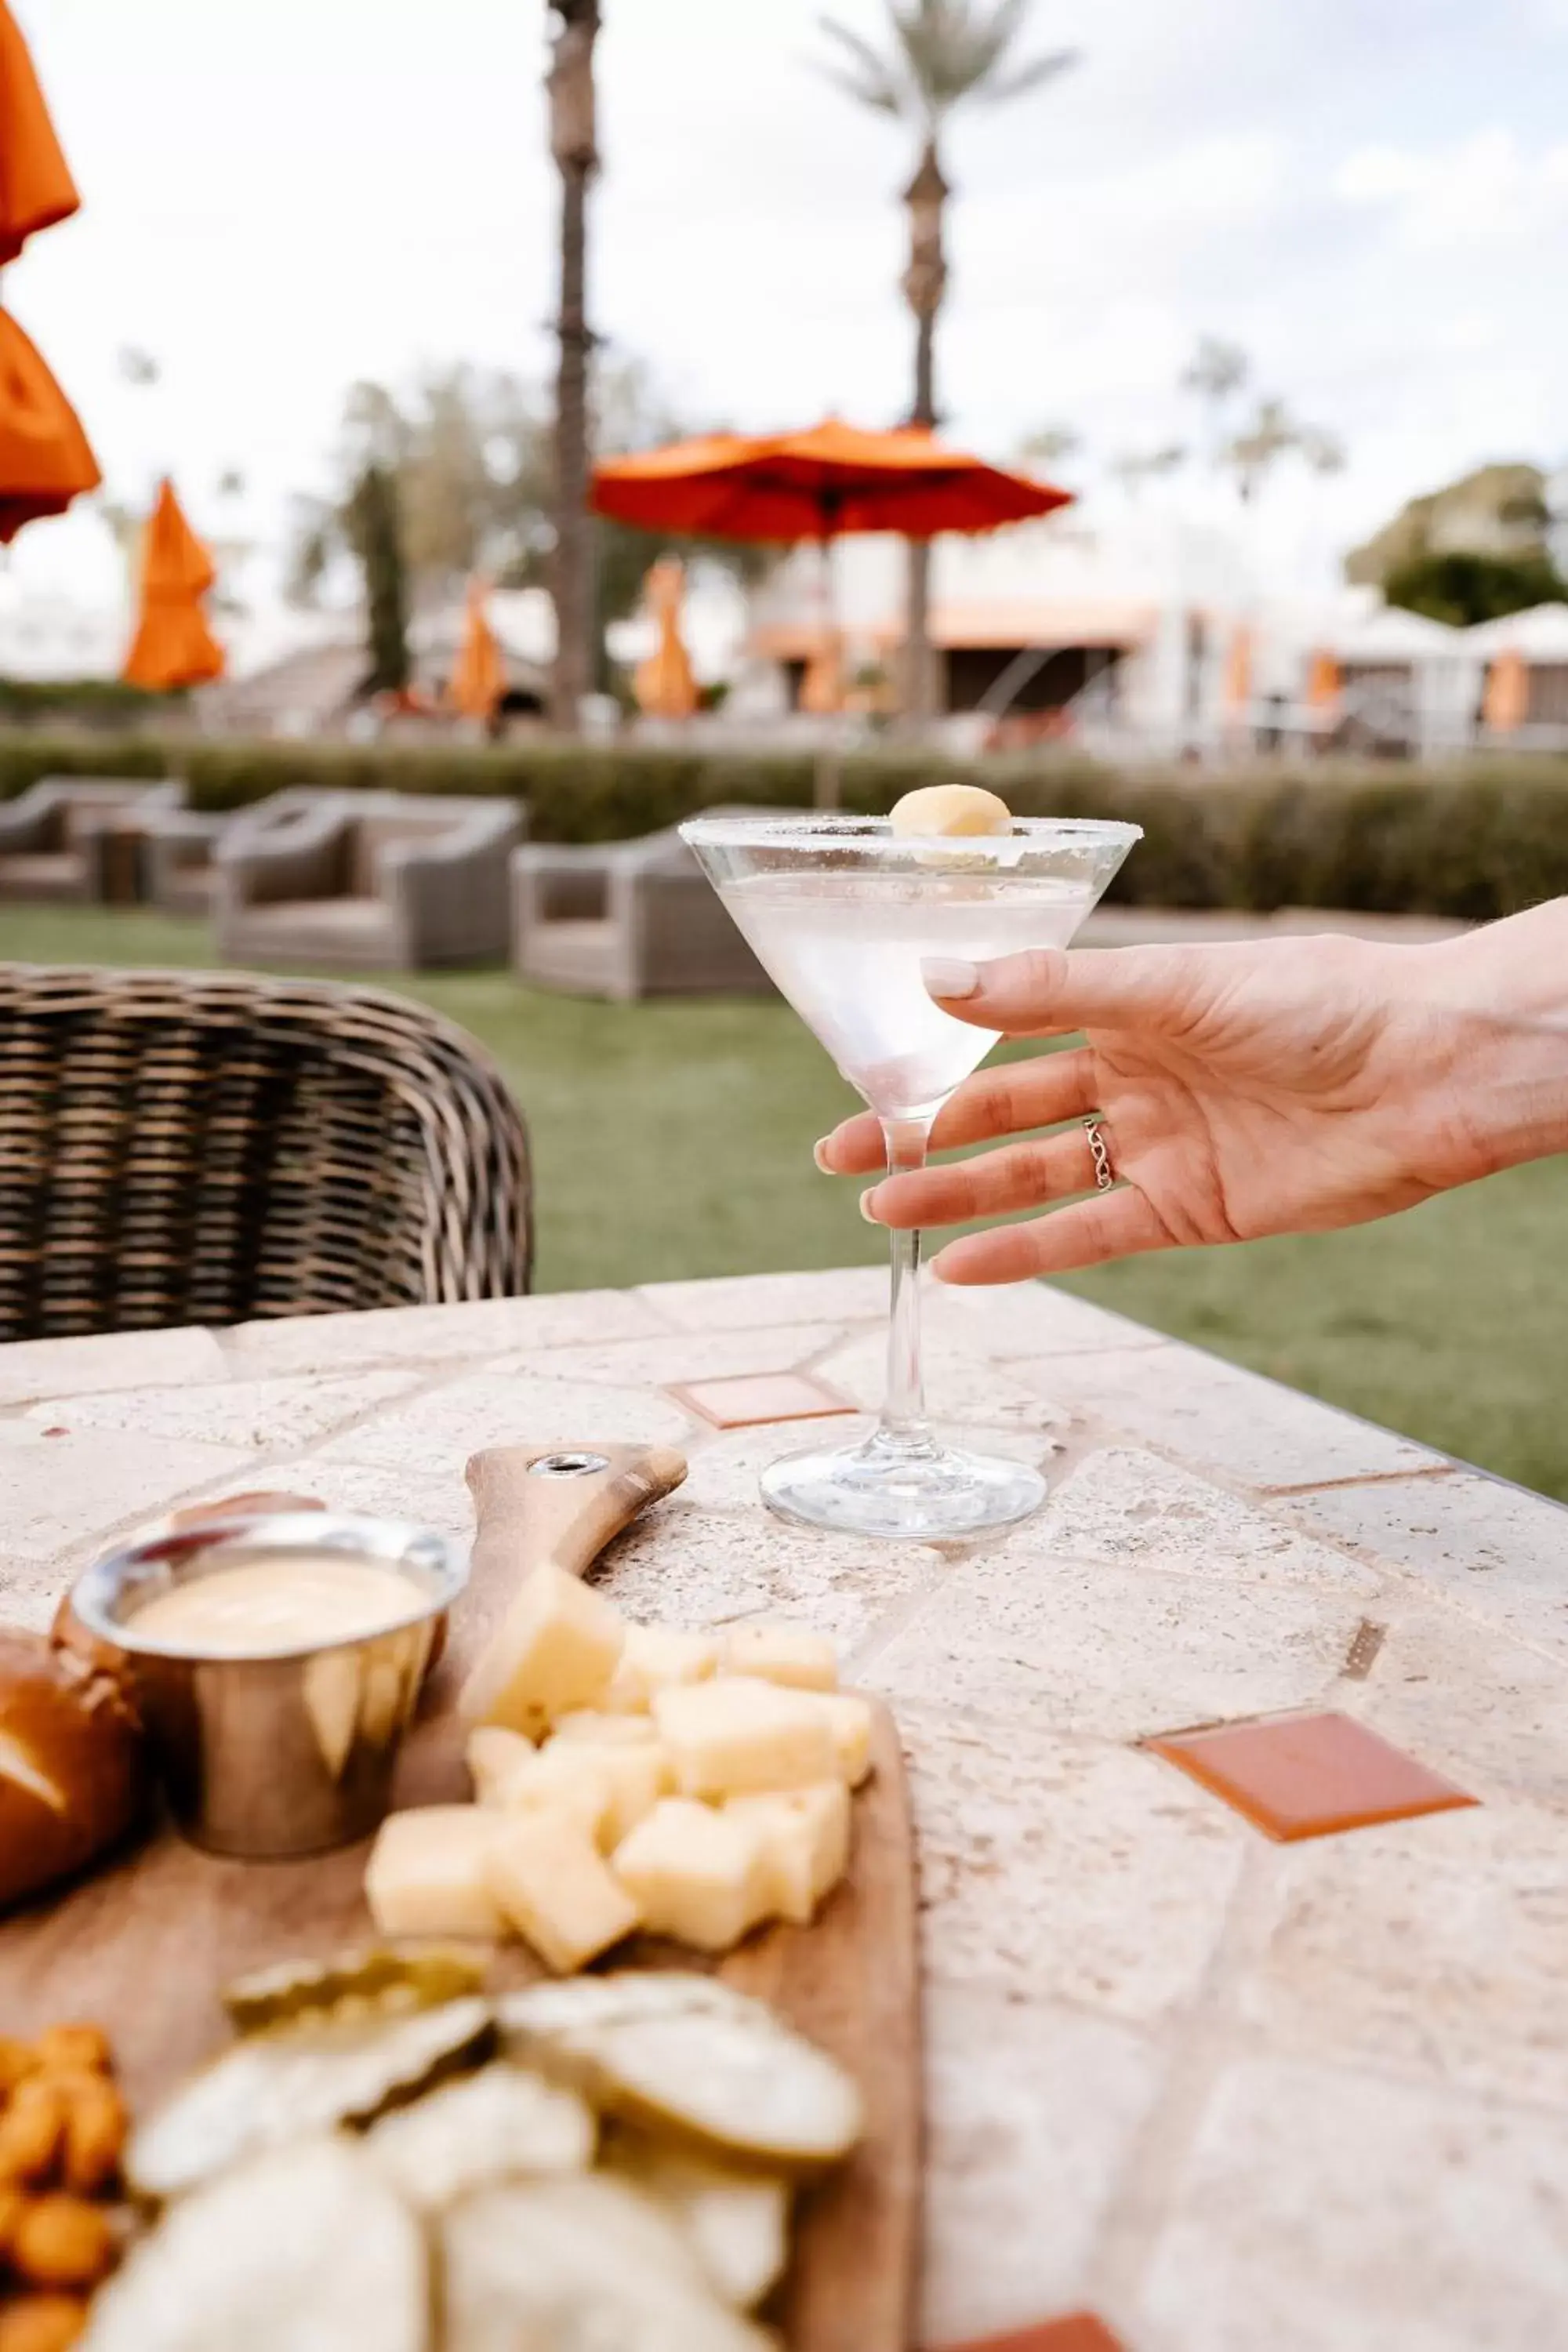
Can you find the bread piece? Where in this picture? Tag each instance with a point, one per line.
(555, 1650)
(74, 1777)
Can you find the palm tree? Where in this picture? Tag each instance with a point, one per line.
(1216, 373)
(1274, 434)
(940, 55)
(573, 144)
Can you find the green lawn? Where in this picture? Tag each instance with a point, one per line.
(674, 1140)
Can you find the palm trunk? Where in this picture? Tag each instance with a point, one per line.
(920, 682)
(571, 86)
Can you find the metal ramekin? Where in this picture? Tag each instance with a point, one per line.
(290, 1753)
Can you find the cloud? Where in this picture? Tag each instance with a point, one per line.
(1482, 189)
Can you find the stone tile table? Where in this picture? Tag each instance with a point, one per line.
(1231, 2093)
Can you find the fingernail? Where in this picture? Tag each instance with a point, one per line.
(819, 1153)
(868, 1208)
(950, 976)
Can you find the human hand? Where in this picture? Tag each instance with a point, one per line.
(1285, 1086)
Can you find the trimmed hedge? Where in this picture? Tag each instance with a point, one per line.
(1475, 840)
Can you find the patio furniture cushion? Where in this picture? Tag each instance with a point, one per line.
(43, 874)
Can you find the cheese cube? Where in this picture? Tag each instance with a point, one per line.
(494, 1757)
(782, 1654)
(656, 1658)
(805, 1834)
(737, 1734)
(555, 1649)
(601, 1728)
(849, 1719)
(698, 1875)
(548, 1878)
(428, 1873)
(631, 1778)
(569, 1780)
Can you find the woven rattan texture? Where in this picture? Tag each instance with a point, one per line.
(209, 1147)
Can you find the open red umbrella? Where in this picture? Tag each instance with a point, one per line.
(45, 458)
(819, 484)
(35, 186)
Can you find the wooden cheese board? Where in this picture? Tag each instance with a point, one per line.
(144, 1946)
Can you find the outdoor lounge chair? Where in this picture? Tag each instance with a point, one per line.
(365, 881)
(626, 919)
(179, 858)
(55, 838)
(208, 1147)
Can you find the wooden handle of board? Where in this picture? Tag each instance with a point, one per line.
(564, 1503)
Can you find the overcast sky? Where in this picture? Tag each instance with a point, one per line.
(1372, 195)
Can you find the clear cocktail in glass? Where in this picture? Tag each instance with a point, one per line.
(844, 913)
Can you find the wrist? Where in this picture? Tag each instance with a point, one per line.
(1498, 1003)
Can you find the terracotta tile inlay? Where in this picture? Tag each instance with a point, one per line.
(746, 1399)
(1078, 2332)
(1308, 1775)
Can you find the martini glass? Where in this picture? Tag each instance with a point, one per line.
(842, 913)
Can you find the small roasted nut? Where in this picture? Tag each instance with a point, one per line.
(41, 2323)
(96, 2125)
(63, 2241)
(31, 2130)
(64, 2048)
(17, 2060)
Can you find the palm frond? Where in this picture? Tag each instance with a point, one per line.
(1033, 76)
(868, 77)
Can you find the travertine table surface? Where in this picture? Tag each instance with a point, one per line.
(1234, 2095)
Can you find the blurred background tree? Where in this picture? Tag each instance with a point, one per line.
(939, 56)
(1462, 587)
(371, 526)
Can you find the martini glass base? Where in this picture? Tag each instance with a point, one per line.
(923, 1492)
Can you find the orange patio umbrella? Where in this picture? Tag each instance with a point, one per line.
(45, 458)
(1505, 706)
(1323, 680)
(172, 646)
(819, 484)
(822, 688)
(1238, 686)
(822, 484)
(479, 675)
(663, 684)
(35, 186)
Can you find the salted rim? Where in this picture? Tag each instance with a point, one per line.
(862, 831)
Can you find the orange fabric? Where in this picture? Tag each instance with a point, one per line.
(1323, 683)
(45, 458)
(663, 684)
(1238, 671)
(172, 644)
(35, 186)
(822, 688)
(1506, 705)
(479, 676)
(819, 484)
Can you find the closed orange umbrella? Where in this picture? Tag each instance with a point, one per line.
(45, 458)
(1506, 704)
(822, 688)
(479, 675)
(1237, 687)
(35, 186)
(820, 484)
(663, 684)
(1323, 683)
(172, 646)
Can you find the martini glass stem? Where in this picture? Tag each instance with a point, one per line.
(903, 1424)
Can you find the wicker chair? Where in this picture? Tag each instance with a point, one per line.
(205, 1147)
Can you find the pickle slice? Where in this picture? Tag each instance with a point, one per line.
(713, 2069)
(287, 2085)
(484, 2127)
(377, 1982)
(577, 2265)
(305, 2249)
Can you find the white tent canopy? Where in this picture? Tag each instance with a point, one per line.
(1541, 634)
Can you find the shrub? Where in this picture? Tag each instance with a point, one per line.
(1475, 840)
